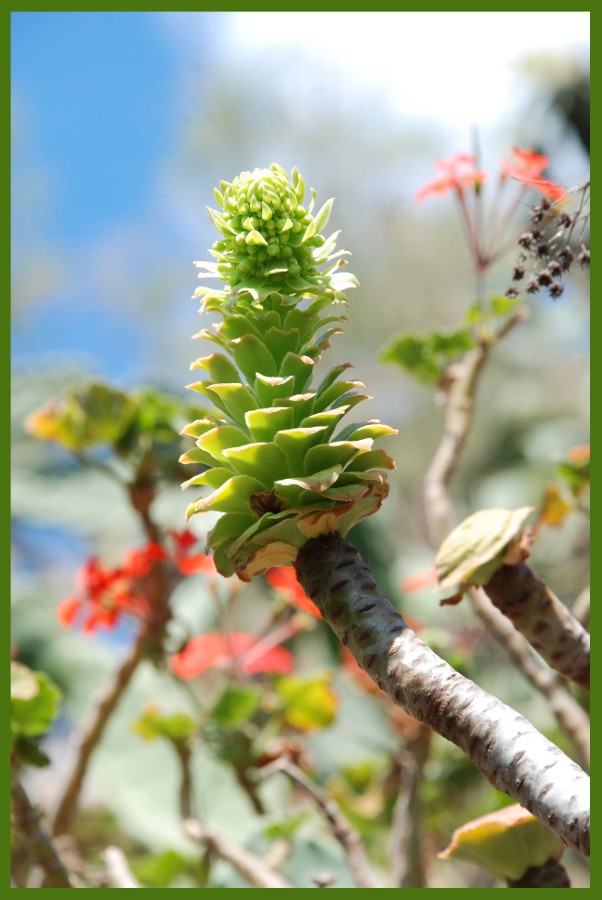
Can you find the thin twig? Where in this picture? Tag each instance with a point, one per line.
(246, 863)
(405, 843)
(580, 608)
(459, 410)
(347, 837)
(91, 732)
(118, 871)
(250, 866)
(38, 844)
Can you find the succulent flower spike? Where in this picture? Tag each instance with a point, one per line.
(279, 468)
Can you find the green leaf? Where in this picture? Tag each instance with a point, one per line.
(178, 727)
(300, 367)
(372, 430)
(317, 481)
(372, 459)
(415, 355)
(212, 478)
(198, 427)
(295, 442)
(233, 496)
(334, 392)
(265, 424)
(219, 439)
(34, 701)
(160, 870)
(323, 215)
(426, 357)
(451, 343)
(281, 341)
(309, 702)
(339, 453)
(252, 356)
(237, 705)
(230, 526)
(219, 367)
(271, 391)
(265, 462)
(236, 400)
(328, 420)
(198, 456)
(502, 305)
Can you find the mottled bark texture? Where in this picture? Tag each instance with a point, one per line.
(506, 748)
(539, 615)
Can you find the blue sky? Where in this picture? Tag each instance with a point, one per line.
(103, 104)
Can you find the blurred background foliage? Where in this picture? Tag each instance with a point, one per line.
(110, 300)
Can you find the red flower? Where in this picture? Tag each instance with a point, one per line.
(527, 164)
(106, 594)
(189, 565)
(284, 580)
(527, 167)
(419, 580)
(215, 650)
(456, 173)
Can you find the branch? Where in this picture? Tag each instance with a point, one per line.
(406, 838)
(347, 837)
(580, 608)
(118, 871)
(569, 714)
(459, 410)
(503, 745)
(37, 842)
(458, 422)
(91, 733)
(539, 615)
(250, 866)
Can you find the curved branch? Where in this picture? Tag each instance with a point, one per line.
(37, 842)
(503, 745)
(547, 624)
(91, 733)
(571, 717)
(347, 836)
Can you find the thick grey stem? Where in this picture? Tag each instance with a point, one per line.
(507, 749)
(538, 614)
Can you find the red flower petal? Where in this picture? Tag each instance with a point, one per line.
(456, 173)
(419, 580)
(215, 650)
(183, 540)
(527, 164)
(284, 580)
(67, 611)
(200, 562)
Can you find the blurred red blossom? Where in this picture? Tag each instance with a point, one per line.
(246, 652)
(456, 174)
(419, 580)
(527, 167)
(284, 580)
(104, 594)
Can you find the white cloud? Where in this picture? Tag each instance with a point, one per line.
(456, 67)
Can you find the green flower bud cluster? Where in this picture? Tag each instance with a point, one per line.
(271, 242)
(279, 469)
